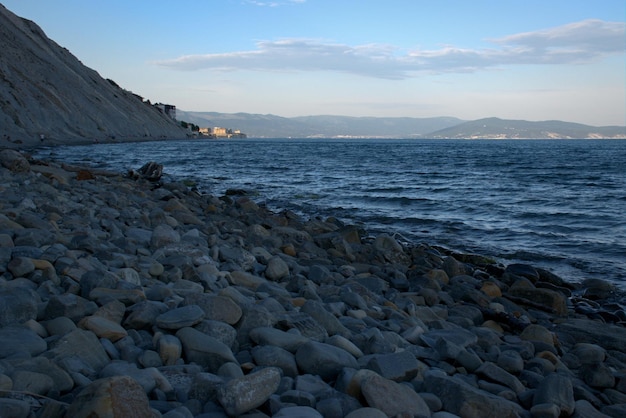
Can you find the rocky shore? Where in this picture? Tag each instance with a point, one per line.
(121, 296)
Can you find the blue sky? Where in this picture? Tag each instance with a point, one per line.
(514, 59)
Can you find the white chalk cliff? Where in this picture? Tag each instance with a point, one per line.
(45, 90)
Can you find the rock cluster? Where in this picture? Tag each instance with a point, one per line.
(126, 297)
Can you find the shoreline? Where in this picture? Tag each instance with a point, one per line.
(203, 299)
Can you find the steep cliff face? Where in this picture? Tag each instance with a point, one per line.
(45, 90)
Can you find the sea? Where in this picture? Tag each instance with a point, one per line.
(554, 204)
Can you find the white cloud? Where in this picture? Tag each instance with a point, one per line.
(578, 42)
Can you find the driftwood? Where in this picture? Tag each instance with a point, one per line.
(150, 171)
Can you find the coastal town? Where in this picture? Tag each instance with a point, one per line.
(215, 132)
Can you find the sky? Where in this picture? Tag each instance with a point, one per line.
(471, 59)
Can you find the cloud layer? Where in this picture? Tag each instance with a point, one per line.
(573, 43)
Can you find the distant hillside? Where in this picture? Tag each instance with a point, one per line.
(45, 90)
(520, 129)
(272, 126)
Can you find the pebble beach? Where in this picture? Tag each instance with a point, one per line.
(123, 296)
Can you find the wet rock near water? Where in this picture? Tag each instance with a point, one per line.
(125, 296)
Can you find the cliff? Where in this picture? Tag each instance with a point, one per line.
(45, 90)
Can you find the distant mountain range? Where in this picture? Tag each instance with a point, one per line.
(326, 126)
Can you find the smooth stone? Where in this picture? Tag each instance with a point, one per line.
(589, 353)
(511, 361)
(399, 367)
(523, 270)
(584, 409)
(156, 269)
(254, 316)
(61, 380)
(240, 395)
(457, 336)
(14, 161)
(33, 382)
(72, 306)
(204, 350)
(218, 308)
(6, 384)
(597, 376)
(463, 399)
(245, 279)
(366, 412)
(78, 348)
(238, 256)
(185, 316)
(19, 340)
(539, 333)
(597, 289)
(345, 344)
(608, 336)
(203, 386)
(113, 311)
(277, 357)
(149, 378)
(17, 305)
(129, 275)
(326, 319)
(103, 327)
(393, 398)
(277, 269)
(469, 360)
(144, 314)
(117, 396)
(298, 397)
(304, 324)
(550, 299)
(499, 375)
(170, 349)
(220, 331)
(59, 326)
(149, 359)
(21, 266)
(556, 389)
(545, 410)
(615, 411)
(297, 412)
(230, 371)
(14, 408)
(323, 359)
(491, 289)
(163, 235)
(128, 297)
(272, 336)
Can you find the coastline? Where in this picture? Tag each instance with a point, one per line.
(201, 299)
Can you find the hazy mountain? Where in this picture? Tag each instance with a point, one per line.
(272, 126)
(521, 129)
(45, 90)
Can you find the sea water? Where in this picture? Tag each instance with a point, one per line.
(556, 204)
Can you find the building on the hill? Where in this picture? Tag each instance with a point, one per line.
(169, 110)
(218, 132)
